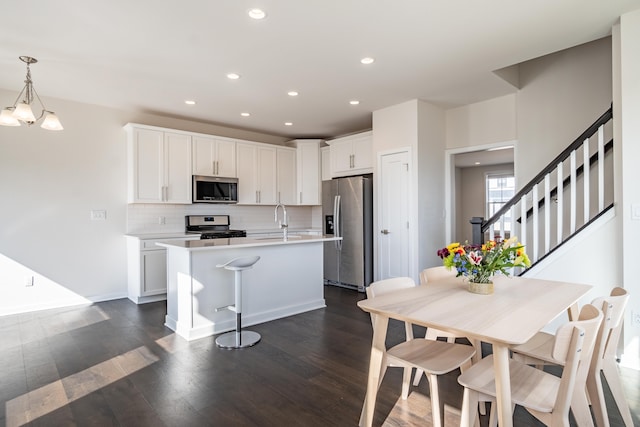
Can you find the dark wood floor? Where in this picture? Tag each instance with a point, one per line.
(114, 363)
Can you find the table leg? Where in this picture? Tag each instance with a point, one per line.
(503, 384)
(377, 352)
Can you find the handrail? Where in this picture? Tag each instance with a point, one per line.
(565, 182)
(590, 131)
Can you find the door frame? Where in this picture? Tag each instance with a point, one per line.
(412, 214)
(450, 179)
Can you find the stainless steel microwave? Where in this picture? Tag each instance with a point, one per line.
(214, 189)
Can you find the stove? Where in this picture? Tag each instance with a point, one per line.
(211, 227)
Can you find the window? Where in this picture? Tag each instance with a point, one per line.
(500, 188)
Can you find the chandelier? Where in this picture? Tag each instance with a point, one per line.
(21, 111)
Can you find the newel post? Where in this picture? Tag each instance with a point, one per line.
(476, 230)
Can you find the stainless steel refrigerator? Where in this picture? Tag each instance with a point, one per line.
(347, 212)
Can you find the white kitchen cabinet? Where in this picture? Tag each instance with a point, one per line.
(286, 175)
(308, 171)
(147, 268)
(256, 168)
(325, 162)
(159, 166)
(351, 155)
(214, 157)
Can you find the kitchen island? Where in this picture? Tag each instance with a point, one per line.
(287, 280)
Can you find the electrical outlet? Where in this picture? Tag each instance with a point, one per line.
(635, 318)
(98, 215)
(28, 280)
(161, 220)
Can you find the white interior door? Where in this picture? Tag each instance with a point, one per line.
(393, 224)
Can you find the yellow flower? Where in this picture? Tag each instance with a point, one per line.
(452, 246)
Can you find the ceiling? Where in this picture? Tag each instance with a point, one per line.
(151, 56)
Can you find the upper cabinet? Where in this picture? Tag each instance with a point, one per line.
(351, 155)
(159, 165)
(308, 174)
(325, 163)
(286, 175)
(256, 174)
(214, 156)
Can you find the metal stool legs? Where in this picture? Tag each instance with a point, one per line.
(238, 338)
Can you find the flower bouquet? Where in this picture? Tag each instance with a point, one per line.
(479, 263)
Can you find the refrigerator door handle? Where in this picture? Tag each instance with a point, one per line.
(337, 222)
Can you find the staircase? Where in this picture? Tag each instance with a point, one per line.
(571, 192)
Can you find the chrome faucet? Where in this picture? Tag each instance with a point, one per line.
(284, 225)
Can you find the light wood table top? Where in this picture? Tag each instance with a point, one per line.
(518, 309)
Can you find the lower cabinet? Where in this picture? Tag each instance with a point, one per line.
(147, 269)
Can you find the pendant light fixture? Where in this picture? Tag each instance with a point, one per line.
(21, 111)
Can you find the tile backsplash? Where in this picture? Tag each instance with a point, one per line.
(167, 218)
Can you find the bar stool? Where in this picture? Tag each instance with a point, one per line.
(238, 338)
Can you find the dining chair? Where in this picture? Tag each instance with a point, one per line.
(432, 274)
(432, 357)
(546, 396)
(537, 352)
(429, 275)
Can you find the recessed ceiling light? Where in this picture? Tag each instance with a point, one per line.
(190, 102)
(476, 163)
(292, 93)
(257, 14)
(288, 124)
(367, 60)
(354, 102)
(233, 76)
(245, 114)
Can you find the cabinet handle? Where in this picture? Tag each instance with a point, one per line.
(257, 200)
(217, 167)
(278, 197)
(301, 197)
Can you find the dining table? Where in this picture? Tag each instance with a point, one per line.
(518, 308)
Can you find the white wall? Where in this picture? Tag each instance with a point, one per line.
(482, 123)
(430, 191)
(627, 151)
(560, 95)
(419, 127)
(49, 183)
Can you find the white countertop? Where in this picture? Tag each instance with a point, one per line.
(168, 235)
(238, 242)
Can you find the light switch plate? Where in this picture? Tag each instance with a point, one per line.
(98, 215)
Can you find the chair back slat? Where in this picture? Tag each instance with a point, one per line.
(613, 308)
(385, 286)
(578, 356)
(433, 274)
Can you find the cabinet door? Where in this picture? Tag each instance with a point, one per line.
(226, 158)
(308, 173)
(204, 155)
(247, 174)
(362, 153)
(266, 182)
(147, 168)
(341, 159)
(178, 168)
(154, 272)
(286, 176)
(325, 161)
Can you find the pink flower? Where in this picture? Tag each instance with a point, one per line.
(475, 258)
